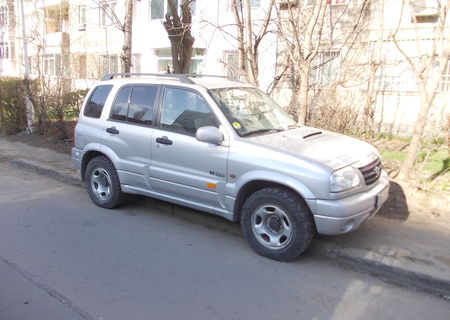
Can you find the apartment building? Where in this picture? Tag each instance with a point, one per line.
(75, 42)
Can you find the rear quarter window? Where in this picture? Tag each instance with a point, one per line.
(96, 102)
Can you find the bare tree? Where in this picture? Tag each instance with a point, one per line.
(248, 42)
(422, 62)
(304, 31)
(180, 36)
(126, 27)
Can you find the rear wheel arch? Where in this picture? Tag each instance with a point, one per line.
(88, 156)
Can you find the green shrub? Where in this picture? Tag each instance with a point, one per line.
(52, 108)
(12, 106)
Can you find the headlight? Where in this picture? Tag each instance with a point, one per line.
(344, 179)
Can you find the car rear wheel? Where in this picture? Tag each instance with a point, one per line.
(277, 223)
(103, 184)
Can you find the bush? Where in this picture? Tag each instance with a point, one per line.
(332, 112)
(52, 108)
(12, 106)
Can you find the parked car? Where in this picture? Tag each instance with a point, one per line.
(226, 148)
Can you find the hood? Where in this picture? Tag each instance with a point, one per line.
(333, 149)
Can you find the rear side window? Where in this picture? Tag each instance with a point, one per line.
(135, 104)
(96, 101)
(120, 107)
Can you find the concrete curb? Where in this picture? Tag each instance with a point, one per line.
(392, 274)
(70, 179)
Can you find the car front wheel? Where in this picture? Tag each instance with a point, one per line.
(277, 223)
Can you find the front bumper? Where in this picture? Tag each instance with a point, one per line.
(347, 214)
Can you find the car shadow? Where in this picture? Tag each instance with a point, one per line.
(396, 206)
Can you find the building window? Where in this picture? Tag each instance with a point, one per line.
(159, 8)
(156, 9)
(253, 4)
(4, 50)
(52, 65)
(309, 3)
(325, 68)
(3, 15)
(445, 80)
(80, 66)
(33, 63)
(82, 14)
(424, 11)
(136, 63)
(109, 64)
(165, 60)
(231, 63)
(108, 13)
(396, 75)
(337, 2)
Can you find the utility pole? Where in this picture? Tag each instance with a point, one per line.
(28, 103)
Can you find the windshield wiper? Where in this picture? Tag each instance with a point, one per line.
(293, 126)
(261, 131)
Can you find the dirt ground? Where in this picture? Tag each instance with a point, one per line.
(405, 198)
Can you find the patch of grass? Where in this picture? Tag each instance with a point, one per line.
(438, 160)
(391, 136)
(392, 155)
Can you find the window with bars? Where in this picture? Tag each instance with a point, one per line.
(109, 64)
(325, 68)
(3, 15)
(231, 63)
(396, 75)
(329, 2)
(4, 50)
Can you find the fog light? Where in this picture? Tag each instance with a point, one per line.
(348, 226)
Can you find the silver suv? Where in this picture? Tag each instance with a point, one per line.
(226, 148)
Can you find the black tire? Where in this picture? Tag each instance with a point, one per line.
(102, 183)
(277, 223)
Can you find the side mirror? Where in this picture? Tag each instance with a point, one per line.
(209, 134)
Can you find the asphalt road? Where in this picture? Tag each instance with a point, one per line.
(61, 257)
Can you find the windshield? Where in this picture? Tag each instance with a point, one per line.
(250, 111)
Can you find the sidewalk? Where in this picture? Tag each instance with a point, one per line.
(414, 252)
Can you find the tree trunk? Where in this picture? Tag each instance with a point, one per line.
(180, 36)
(128, 36)
(374, 64)
(302, 100)
(251, 62)
(416, 138)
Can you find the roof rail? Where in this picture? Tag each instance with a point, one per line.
(181, 77)
(210, 76)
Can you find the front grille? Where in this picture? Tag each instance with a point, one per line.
(372, 171)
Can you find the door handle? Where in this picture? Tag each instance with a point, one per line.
(112, 130)
(164, 140)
